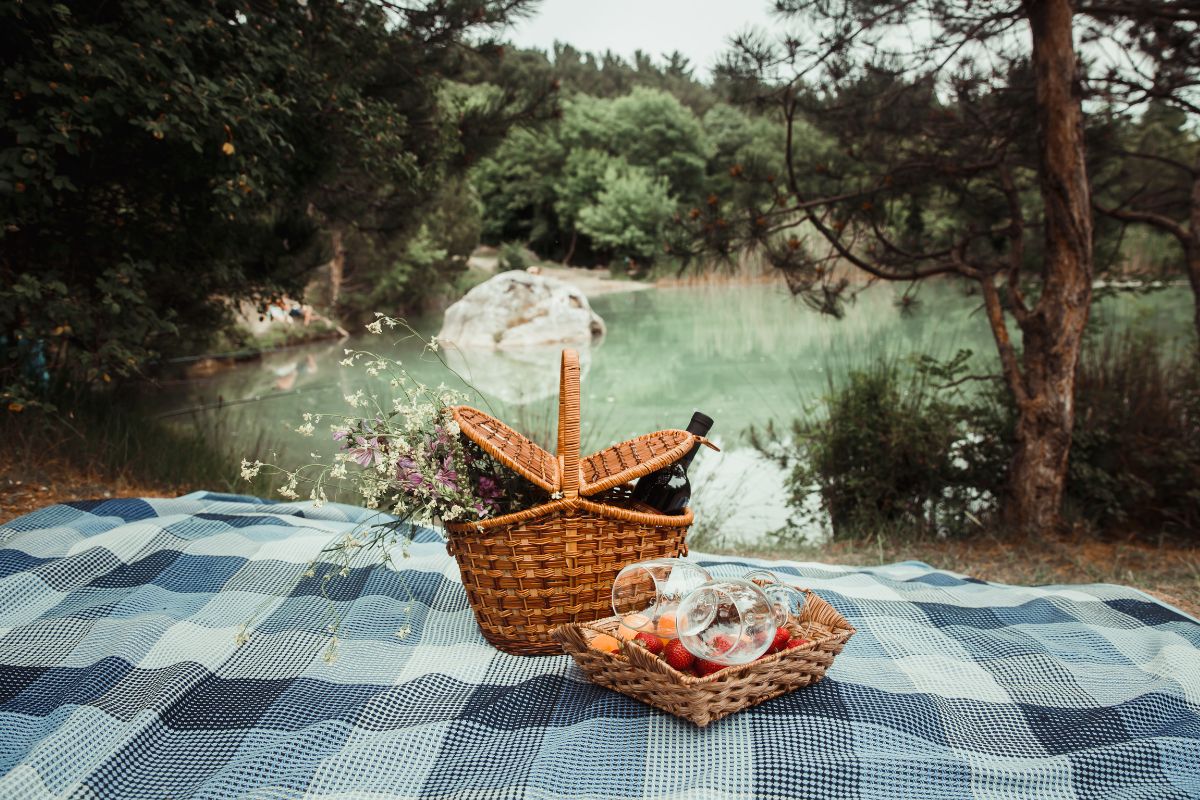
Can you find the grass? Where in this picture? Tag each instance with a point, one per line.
(109, 446)
(1166, 569)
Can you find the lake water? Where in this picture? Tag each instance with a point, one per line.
(744, 354)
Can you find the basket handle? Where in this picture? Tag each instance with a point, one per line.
(568, 424)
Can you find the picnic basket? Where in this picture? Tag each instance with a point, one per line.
(553, 564)
(636, 672)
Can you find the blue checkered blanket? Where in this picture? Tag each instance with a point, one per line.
(122, 675)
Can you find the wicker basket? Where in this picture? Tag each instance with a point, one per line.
(635, 672)
(554, 564)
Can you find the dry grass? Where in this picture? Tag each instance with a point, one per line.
(26, 487)
(1167, 570)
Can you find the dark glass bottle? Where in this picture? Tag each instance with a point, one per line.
(668, 490)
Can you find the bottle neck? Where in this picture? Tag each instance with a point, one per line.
(686, 461)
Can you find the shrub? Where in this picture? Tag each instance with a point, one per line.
(1135, 454)
(886, 450)
(513, 255)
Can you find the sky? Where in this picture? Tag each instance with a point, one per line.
(700, 29)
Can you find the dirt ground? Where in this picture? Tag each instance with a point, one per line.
(1165, 570)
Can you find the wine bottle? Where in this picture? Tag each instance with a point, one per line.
(668, 490)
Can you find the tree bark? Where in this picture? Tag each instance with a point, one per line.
(1053, 329)
(1191, 249)
(566, 262)
(337, 266)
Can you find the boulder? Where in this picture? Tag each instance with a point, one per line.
(520, 309)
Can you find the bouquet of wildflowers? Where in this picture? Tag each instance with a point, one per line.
(403, 455)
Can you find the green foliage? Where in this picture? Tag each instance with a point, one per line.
(1135, 453)
(908, 451)
(159, 160)
(538, 185)
(518, 188)
(512, 256)
(885, 451)
(113, 435)
(652, 130)
(629, 213)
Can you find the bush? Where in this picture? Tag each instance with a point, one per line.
(513, 255)
(913, 452)
(885, 451)
(1135, 455)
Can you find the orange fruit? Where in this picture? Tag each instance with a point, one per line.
(604, 643)
(625, 632)
(666, 627)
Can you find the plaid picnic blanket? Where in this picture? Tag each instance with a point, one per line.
(121, 676)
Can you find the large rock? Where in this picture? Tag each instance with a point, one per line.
(520, 309)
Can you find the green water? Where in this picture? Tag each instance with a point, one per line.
(744, 354)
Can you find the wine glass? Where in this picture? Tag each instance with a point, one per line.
(646, 594)
(729, 621)
(785, 599)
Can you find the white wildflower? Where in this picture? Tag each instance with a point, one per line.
(375, 327)
(433, 343)
(242, 636)
(250, 471)
(556, 496)
(306, 429)
(404, 631)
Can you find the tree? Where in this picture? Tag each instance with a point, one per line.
(537, 184)
(159, 160)
(1148, 63)
(629, 214)
(962, 154)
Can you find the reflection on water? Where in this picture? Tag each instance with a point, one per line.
(742, 354)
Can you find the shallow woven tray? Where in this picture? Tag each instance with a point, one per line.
(635, 672)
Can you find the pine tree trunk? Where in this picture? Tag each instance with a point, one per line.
(1053, 329)
(1191, 248)
(337, 266)
(566, 262)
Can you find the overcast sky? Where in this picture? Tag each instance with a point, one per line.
(700, 29)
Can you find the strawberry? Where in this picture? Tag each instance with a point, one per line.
(677, 655)
(650, 642)
(704, 667)
(781, 639)
(721, 644)
(795, 642)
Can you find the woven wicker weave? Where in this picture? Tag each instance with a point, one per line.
(635, 672)
(553, 564)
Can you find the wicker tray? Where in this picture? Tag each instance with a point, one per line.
(635, 672)
(554, 563)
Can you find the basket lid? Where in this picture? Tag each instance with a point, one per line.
(509, 447)
(627, 461)
(603, 470)
(568, 473)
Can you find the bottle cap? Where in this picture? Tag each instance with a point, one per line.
(700, 424)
